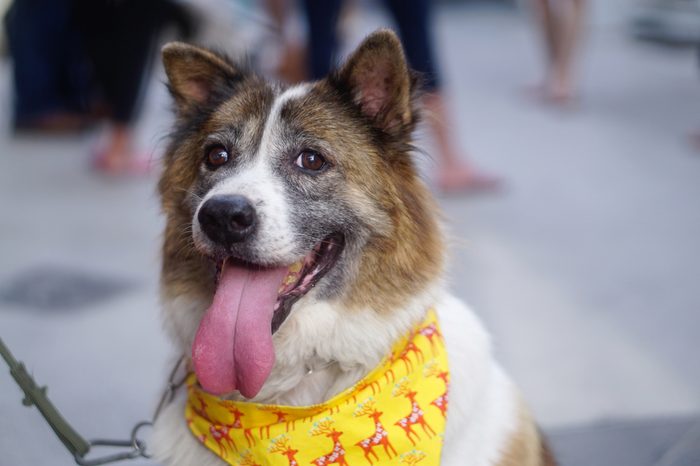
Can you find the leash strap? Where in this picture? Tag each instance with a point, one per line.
(73, 441)
(35, 395)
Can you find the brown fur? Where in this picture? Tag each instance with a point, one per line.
(380, 80)
(527, 446)
(391, 271)
(196, 74)
(399, 264)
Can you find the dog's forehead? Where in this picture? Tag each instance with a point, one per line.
(246, 111)
(280, 122)
(266, 115)
(318, 114)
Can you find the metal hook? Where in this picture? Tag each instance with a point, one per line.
(137, 448)
(171, 388)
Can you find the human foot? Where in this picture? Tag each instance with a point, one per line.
(115, 164)
(117, 158)
(464, 180)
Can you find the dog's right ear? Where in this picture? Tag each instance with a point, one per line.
(380, 82)
(197, 77)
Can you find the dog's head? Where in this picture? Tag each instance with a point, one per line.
(273, 194)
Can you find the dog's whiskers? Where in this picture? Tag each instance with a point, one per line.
(191, 193)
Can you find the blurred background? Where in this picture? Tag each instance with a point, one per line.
(564, 142)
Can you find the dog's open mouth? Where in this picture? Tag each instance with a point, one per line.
(303, 275)
(233, 347)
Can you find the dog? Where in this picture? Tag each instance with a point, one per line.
(300, 246)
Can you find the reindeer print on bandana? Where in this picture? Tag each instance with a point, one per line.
(394, 415)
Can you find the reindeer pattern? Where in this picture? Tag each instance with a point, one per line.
(395, 415)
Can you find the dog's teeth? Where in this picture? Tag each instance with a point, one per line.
(295, 267)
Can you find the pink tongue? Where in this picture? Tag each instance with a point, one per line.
(233, 346)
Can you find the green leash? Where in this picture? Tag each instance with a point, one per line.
(73, 441)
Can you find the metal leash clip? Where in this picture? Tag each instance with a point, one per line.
(137, 448)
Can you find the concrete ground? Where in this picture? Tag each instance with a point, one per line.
(586, 269)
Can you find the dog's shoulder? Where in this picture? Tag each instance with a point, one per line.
(483, 412)
(466, 339)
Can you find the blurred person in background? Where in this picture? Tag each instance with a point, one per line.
(561, 24)
(50, 76)
(455, 174)
(77, 61)
(120, 39)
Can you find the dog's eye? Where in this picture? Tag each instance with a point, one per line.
(217, 156)
(310, 160)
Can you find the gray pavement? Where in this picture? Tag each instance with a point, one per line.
(585, 269)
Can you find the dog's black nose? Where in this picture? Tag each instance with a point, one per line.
(227, 219)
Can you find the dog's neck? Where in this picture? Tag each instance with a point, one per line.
(322, 349)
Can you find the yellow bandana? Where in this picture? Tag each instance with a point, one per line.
(397, 412)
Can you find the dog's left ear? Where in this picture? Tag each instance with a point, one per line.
(198, 77)
(379, 80)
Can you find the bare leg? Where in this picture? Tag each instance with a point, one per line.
(277, 9)
(117, 156)
(562, 86)
(455, 174)
(561, 23)
(292, 63)
(547, 23)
